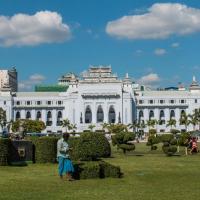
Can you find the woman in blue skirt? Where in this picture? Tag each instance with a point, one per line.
(65, 164)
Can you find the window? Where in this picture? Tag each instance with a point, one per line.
(182, 101)
(195, 101)
(4, 102)
(151, 101)
(28, 115)
(28, 103)
(172, 114)
(141, 114)
(60, 102)
(39, 115)
(38, 102)
(88, 115)
(111, 115)
(151, 114)
(141, 101)
(162, 101)
(100, 114)
(18, 103)
(172, 101)
(49, 102)
(17, 115)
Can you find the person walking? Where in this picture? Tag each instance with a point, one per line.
(65, 165)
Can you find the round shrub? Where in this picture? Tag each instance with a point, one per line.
(91, 146)
(173, 142)
(169, 150)
(45, 149)
(4, 151)
(166, 137)
(166, 144)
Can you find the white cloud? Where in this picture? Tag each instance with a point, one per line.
(33, 80)
(161, 21)
(149, 79)
(160, 52)
(175, 45)
(24, 29)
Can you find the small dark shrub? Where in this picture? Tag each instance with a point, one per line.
(166, 137)
(154, 147)
(4, 151)
(152, 132)
(152, 140)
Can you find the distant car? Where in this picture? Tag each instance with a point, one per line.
(37, 134)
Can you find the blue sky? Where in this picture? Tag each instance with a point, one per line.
(82, 39)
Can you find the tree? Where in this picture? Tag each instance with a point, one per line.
(2, 118)
(151, 123)
(184, 120)
(67, 125)
(74, 127)
(91, 127)
(193, 120)
(133, 125)
(197, 116)
(28, 126)
(171, 123)
(117, 128)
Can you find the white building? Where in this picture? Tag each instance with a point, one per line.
(100, 96)
(8, 79)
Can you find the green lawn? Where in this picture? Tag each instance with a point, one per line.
(151, 176)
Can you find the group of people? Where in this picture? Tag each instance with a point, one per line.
(191, 145)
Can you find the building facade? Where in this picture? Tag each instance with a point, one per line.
(98, 97)
(8, 79)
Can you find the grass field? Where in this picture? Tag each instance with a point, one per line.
(148, 177)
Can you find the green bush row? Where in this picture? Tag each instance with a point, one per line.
(96, 169)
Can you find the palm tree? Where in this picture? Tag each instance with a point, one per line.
(151, 123)
(171, 123)
(184, 120)
(73, 127)
(91, 127)
(105, 126)
(134, 125)
(67, 125)
(197, 116)
(193, 120)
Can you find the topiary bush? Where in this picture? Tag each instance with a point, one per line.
(169, 144)
(122, 139)
(45, 149)
(152, 140)
(90, 146)
(96, 169)
(4, 151)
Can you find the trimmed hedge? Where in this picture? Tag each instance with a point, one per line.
(45, 149)
(4, 151)
(90, 146)
(96, 169)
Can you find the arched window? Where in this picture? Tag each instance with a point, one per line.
(100, 114)
(162, 117)
(28, 115)
(162, 114)
(38, 115)
(151, 114)
(141, 114)
(49, 118)
(183, 112)
(18, 115)
(59, 118)
(172, 114)
(111, 115)
(88, 115)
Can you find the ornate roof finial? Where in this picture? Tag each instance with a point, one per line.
(127, 75)
(194, 79)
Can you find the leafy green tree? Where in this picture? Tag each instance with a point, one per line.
(28, 126)
(117, 128)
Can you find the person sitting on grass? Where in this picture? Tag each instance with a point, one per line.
(65, 165)
(194, 148)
